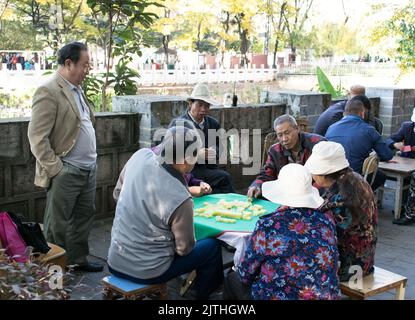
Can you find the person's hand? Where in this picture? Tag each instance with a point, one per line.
(210, 154)
(398, 145)
(202, 155)
(392, 161)
(196, 191)
(253, 192)
(205, 188)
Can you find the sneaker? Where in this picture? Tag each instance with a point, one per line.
(404, 221)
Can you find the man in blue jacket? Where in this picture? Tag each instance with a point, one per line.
(359, 139)
(404, 141)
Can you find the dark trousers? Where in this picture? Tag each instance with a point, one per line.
(379, 181)
(219, 180)
(70, 209)
(206, 258)
(234, 288)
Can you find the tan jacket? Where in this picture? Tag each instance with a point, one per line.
(53, 128)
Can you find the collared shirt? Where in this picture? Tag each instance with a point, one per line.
(292, 255)
(83, 154)
(200, 124)
(278, 157)
(358, 139)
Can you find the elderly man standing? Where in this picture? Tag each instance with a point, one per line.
(152, 238)
(293, 146)
(207, 168)
(359, 139)
(62, 139)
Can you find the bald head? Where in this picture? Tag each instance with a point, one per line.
(357, 90)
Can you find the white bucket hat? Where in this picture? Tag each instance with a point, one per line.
(413, 116)
(201, 92)
(293, 188)
(327, 157)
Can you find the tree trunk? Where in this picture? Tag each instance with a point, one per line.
(109, 52)
(274, 54)
(166, 49)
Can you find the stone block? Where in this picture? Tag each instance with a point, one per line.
(22, 179)
(105, 168)
(248, 118)
(123, 157)
(39, 210)
(11, 144)
(19, 207)
(114, 131)
(2, 182)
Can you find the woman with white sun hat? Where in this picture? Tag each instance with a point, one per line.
(292, 253)
(351, 200)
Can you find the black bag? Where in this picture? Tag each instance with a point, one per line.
(31, 234)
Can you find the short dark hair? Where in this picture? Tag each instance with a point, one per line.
(354, 107)
(71, 51)
(363, 99)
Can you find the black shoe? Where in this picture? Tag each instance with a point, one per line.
(89, 267)
(404, 221)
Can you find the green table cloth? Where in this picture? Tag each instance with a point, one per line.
(209, 227)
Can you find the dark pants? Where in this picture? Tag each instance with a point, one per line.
(234, 288)
(219, 180)
(206, 258)
(70, 209)
(379, 181)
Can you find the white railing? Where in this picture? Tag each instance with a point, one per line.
(157, 77)
(368, 69)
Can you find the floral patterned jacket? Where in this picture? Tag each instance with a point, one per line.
(356, 236)
(292, 254)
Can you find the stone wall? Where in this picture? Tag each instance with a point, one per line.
(116, 142)
(301, 104)
(395, 106)
(158, 111)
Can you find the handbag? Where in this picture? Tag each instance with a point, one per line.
(11, 239)
(31, 234)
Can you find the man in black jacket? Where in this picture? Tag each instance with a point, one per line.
(206, 168)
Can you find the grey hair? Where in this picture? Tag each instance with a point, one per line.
(285, 118)
(179, 143)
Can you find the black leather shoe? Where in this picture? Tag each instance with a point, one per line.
(404, 221)
(89, 267)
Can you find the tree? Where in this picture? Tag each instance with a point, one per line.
(400, 28)
(295, 16)
(57, 22)
(239, 14)
(275, 11)
(121, 38)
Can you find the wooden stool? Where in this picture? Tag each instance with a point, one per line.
(115, 286)
(379, 281)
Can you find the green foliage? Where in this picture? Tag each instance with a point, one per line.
(325, 85)
(18, 35)
(123, 78)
